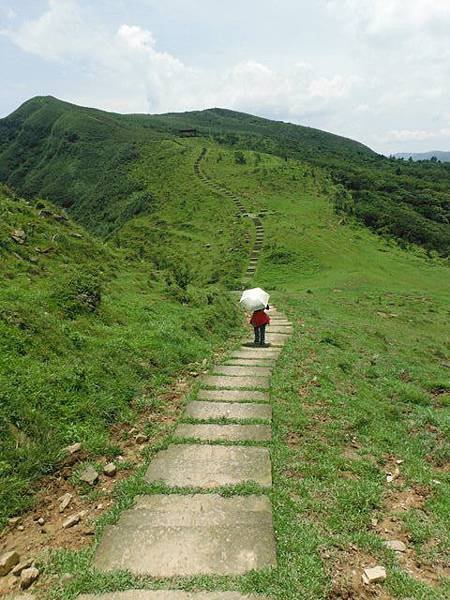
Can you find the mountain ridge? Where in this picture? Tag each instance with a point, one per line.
(89, 162)
(442, 155)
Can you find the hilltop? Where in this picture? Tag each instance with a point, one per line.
(88, 161)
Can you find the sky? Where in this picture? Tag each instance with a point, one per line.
(377, 71)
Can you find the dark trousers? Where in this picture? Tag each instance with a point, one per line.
(260, 334)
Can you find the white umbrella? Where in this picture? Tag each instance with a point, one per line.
(254, 299)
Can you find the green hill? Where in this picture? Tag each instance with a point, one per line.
(117, 285)
(88, 161)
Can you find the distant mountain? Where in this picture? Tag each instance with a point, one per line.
(439, 154)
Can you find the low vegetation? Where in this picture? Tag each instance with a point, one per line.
(86, 328)
(99, 314)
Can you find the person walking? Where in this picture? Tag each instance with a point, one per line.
(260, 319)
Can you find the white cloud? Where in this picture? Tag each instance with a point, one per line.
(406, 135)
(129, 72)
(378, 17)
(375, 70)
(330, 89)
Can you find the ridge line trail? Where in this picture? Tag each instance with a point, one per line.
(237, 200)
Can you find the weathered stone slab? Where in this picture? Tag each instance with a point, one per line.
(250, 362)
(259, 353)
(193, 465)
(261, 358)
(242, 371)
(228, 410)
(276, 339)
(231, 433)
(233, 395)
(166, 595)
(230, 383)
(177, 535)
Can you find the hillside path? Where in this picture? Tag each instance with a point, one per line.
(188, 528)
(219, 188)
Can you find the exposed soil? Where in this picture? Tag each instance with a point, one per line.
(346, 569)
(391, 527)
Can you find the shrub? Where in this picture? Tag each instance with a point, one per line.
(81, 294)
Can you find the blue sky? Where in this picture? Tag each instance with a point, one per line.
(374, 70)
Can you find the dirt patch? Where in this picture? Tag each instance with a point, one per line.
(346, 569)
(390, 527)
(293, 439)
(40, 530)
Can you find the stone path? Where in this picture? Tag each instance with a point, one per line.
(192, 530)
(198, 531)
(242, 212)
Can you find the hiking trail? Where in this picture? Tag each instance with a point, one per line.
(190, 528)
(242, 211)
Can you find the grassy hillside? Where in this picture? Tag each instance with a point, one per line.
(84, 159)
(98, 314)
(363, 384)
(86, 327)
(409, 201)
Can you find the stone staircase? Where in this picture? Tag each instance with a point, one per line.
(191, 529)
(242, 211)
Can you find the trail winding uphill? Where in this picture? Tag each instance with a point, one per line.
(242, 211)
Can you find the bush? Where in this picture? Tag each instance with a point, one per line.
(81, 294)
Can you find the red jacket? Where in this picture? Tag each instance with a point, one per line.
(259, 318)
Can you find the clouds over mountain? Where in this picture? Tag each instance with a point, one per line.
(375, 80)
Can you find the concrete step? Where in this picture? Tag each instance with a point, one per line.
(204, 466)
(199, 409)
(225, 382)
(230, 433)
(159, 595)
(200, 534)
(233, 395)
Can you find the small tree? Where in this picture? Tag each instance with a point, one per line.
(239, 158)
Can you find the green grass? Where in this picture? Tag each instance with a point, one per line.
(363, 381)
(91, 333)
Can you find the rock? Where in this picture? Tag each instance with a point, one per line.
(64, 502)
(41, 521)
(374, 574)
(13, 521)
(74, 448)
(396, 545)
(19, 236)
(20, 528)
(26, 564)
(110, 469)
(89, 475)
(141, 438)
(71, 521)
(8, 561)
(28, 577)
